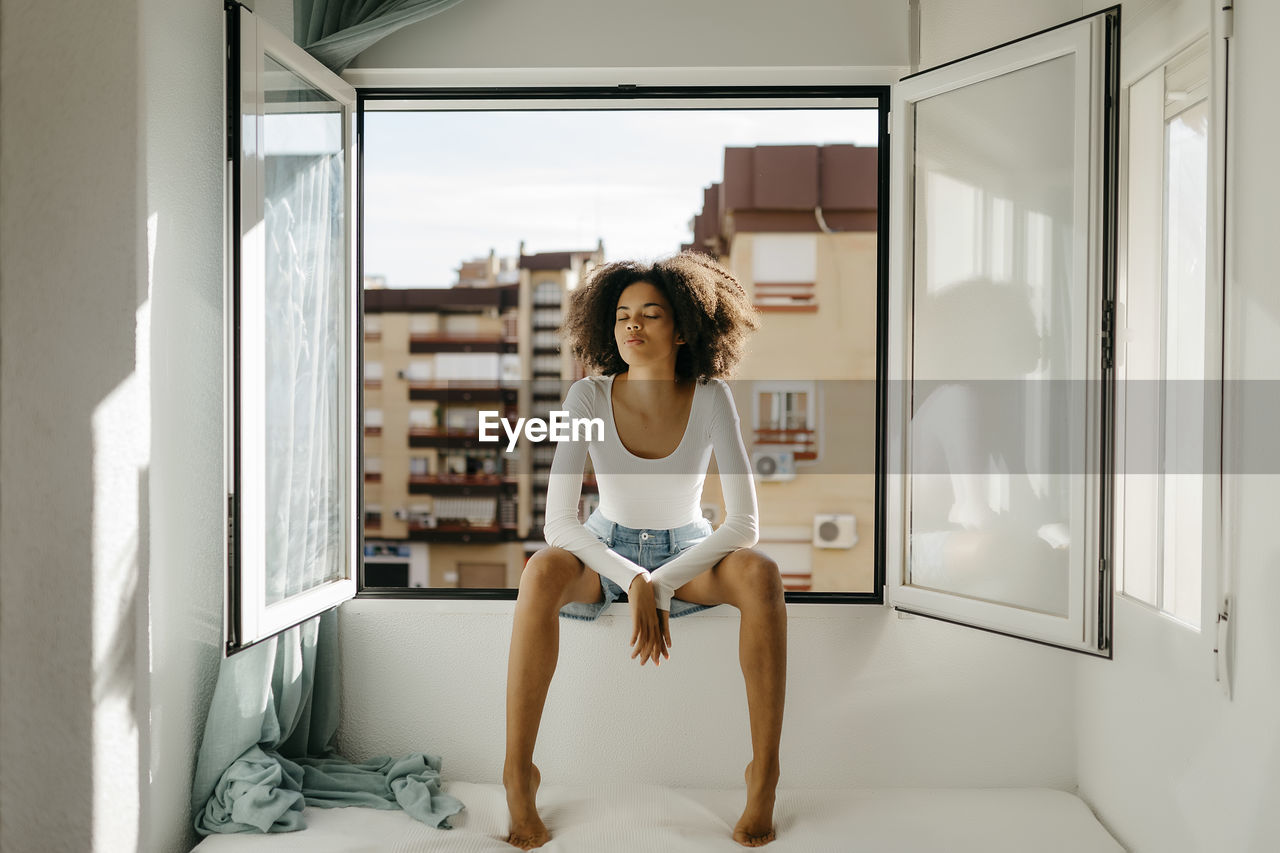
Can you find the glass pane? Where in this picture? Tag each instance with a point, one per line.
(305, 283)
(1186, 183)
(996, 431)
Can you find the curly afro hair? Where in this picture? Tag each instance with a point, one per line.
(712, 313)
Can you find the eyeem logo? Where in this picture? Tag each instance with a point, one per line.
(560, 428)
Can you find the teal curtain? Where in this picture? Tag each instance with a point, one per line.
(268, 746)
(336, 31)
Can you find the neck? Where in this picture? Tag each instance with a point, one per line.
(651, 381)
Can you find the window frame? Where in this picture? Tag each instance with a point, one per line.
(552, 97)
(248, 618)
(1095, 39)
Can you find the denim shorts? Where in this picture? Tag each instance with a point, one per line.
(647, 548)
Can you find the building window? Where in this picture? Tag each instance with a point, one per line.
(373, 422)
(784, 269)
(786, 418)
(372, 375)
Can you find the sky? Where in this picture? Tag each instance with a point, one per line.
(444, 187)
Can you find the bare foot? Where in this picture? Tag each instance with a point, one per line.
(527, 829)
(755, 827)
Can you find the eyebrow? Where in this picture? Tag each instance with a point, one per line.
(646, 305)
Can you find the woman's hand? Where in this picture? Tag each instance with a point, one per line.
(650, 634)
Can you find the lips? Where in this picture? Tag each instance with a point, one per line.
(635, 340)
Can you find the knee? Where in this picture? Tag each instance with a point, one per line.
(548, 572)
(760, 580)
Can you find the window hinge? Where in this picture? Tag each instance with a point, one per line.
(231, 532)
(1108, 334)
(1104, 587)
(1226, 18)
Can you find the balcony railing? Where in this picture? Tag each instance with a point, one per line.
(427, 342)
(461, 389)
(785, 296)
(443, 437)
(804, 442)
(456, 484)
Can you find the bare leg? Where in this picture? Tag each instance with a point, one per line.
(552, 578)
(750, 581)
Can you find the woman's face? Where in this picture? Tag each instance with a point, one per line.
(644, 325)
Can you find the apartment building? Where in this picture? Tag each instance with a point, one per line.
(797, 226)
(441, 507)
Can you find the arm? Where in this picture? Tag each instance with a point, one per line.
(564, 487)
(740, 528)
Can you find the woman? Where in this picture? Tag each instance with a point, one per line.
(662, 336)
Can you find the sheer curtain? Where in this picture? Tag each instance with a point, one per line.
(336, 31)
(305, 289)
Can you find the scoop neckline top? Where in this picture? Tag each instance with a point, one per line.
(684, 438)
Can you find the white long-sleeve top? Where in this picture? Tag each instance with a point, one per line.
(652, 493)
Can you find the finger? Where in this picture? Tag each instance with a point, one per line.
(665, 619)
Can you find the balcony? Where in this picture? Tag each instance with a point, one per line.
(803, 442)
(432, 342)
(456, 484)
(786, 296)
(463, 391)
(446, 437)
(460, 532)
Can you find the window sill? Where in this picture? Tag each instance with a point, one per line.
(476, 607)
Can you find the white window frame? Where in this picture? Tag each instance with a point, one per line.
(1086, 627)
(248, 618)
(874, 80)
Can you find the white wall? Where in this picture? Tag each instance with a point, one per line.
(872, 700)
(1166, 761)
(950, 29)
(182, 126)
(624, 33)
(1170, 763)
(73, 423)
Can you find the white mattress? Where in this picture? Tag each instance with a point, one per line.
(645, 818)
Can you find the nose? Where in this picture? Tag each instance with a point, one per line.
(633, 325)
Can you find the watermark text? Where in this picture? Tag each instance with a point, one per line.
(561, 427)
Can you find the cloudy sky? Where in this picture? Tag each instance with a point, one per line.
(444, 187)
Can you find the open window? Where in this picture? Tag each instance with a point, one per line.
(484, 209)
(293, 517)
(1002, 283)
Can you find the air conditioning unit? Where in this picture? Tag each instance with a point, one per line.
(711, 512)
(773, 465)
(835, 531)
